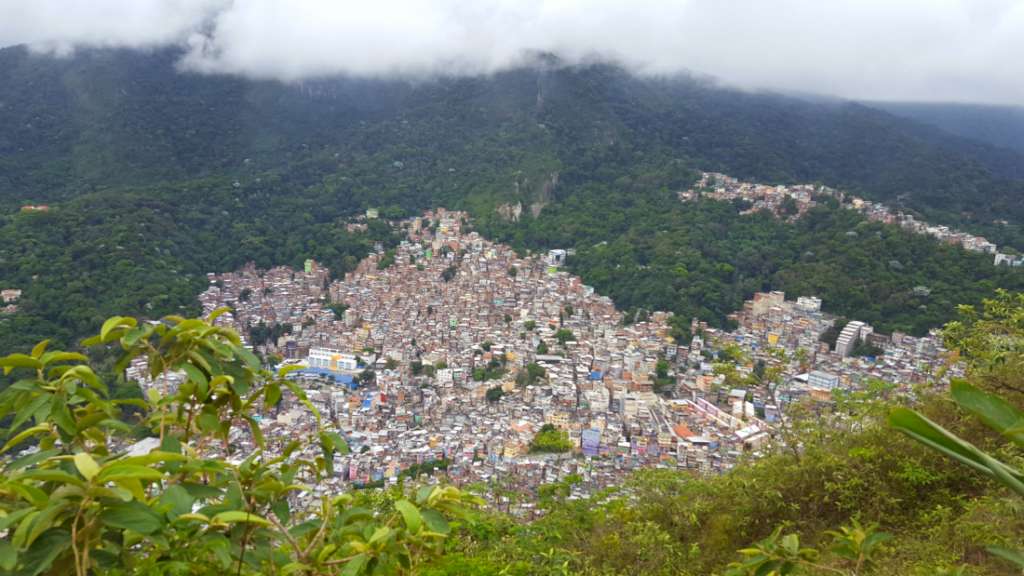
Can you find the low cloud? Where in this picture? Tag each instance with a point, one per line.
(951, 50)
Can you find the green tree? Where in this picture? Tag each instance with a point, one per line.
(551, 439)
(494, 393)
(564, 335)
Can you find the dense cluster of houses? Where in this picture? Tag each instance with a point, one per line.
(9, 300)
(448, 354)
(794, 200)
(787, 335)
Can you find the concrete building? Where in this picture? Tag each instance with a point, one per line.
(850, 335)
(333, 360)
(556, 257)
(821, 379)
(808, 303)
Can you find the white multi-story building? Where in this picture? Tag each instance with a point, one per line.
(333, 360)
(851, 334)
(556, 257)
(822, 380)
(808, 303)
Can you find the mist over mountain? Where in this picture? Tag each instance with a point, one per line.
(996, 125)
(102, 118)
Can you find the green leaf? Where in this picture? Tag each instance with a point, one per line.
(154, 457)
(216, 313)
(435, 521)
(202, 491)
(355, 565)
(133, 486)
(38, 349)
(410, 514)
(29, 493)
(134, 516)
(273, 395)
(87, 467)
(19, 361)
(326, 552)
(40, 556)
(995, 412)
(285, 370)
(119, 471)
(8, 555)
(208, 422)
(30, 409)
(52, 475)
(85, 374)
(355, 514)
(133, 336)
(114, 323)
(248, 357)
(61, 416)
(196, 375)
(45, 520)
(340, 446)
(1014, 556)
(423, 494)
(58, 356)
(256, 431)
(110, 423)
(193, 517)
(295, 568)
(282, 510)
(13, 517)
(235, 516)
(938, 438)
(21, 532)
(25, 435)
(179, 500)
(379, 534)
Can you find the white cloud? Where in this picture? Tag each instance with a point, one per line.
(964, 50)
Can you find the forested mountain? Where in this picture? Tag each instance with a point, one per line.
(152, 173)
(104, 118)
(1001, 126)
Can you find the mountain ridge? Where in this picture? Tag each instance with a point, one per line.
(115, 117)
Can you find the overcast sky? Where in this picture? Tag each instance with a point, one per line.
(947, 50)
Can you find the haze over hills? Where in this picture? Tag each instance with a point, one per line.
(1001, 126)
(107, 118)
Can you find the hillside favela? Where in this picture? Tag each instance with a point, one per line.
(511, 288)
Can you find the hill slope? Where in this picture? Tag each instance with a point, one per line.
(1001, 126)
(107, 118)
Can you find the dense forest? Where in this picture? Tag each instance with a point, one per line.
(148, 251)
(156, 177)
(105, 117)
(1001, 126)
